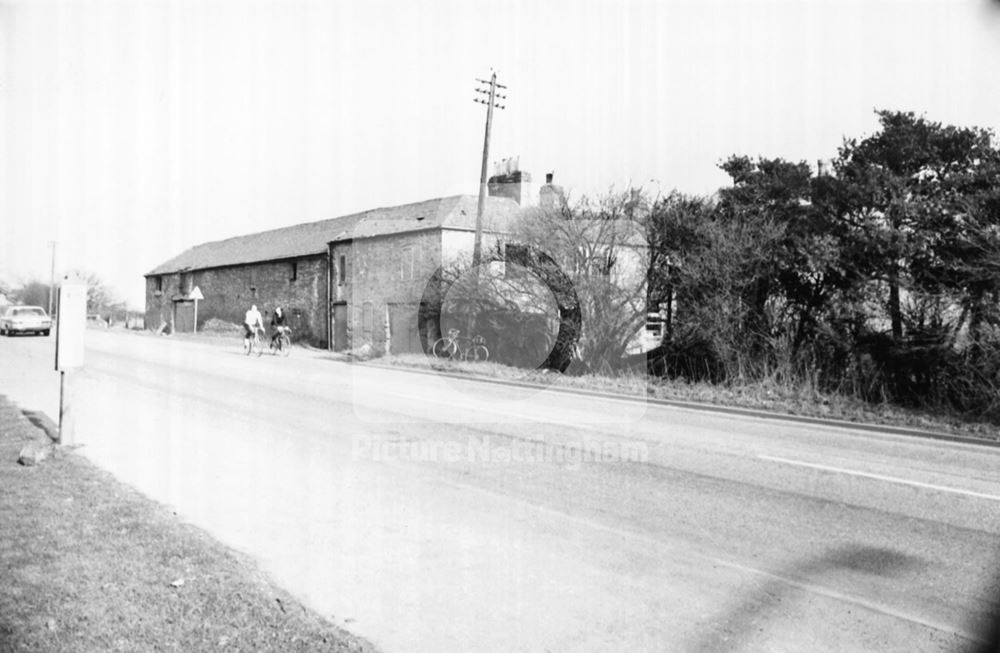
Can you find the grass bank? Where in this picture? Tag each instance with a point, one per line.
(768, 396)
(91, 565)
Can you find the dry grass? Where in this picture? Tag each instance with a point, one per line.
(217, 326)
(628, 384)
(766, 395)
(91, 565)
(805, 401)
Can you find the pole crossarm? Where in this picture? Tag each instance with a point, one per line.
(492, 81)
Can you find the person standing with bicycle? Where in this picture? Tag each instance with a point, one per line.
(251, 323)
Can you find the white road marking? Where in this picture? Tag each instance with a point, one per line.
(881, 477)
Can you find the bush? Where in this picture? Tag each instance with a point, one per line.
(215, 325)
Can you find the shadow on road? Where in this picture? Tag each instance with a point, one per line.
(739, 626)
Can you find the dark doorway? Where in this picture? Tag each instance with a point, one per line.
(184, 316)
(339, 327)
(404, 338)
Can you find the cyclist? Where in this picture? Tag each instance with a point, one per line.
(277, 324)
(251, 323)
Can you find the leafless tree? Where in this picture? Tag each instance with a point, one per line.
(601, 247)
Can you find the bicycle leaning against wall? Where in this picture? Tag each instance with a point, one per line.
(455, 347)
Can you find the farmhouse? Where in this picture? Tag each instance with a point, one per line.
(343, 282)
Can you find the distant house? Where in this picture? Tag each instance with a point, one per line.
(343, 282)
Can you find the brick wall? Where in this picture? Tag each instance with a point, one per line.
(159, 307)
(342, 260)
(230, 291)
(384, 279)
(388, 271)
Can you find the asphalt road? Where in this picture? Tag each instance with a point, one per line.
(428, 513)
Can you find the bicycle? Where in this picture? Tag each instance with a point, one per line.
(282, 342)
(254, 344)
(453, 347)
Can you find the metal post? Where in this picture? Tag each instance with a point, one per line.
(65, 411)
(72, 308)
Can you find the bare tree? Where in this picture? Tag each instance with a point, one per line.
(601, 247)
(100, 297)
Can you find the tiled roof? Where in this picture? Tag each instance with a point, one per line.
(457, 212)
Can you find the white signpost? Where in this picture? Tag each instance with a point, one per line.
(70, 327)
(195, 295)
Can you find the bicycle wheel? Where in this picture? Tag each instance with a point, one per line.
(478, 353)
(247, 346)
(258, 346)
(284, 345)
(444, 348)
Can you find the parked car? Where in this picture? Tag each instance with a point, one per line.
(24, 319)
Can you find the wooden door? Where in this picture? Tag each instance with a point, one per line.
(184, 317)
(339, 327)
(405, 339)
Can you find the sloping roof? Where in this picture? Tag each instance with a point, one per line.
(457, 212)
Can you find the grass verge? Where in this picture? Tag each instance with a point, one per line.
(768, 396)
(91, 565)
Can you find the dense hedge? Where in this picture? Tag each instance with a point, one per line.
(878, 277)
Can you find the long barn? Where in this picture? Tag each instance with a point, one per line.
(343, 282)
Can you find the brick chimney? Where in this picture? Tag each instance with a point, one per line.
(550, 196)
(509, 181)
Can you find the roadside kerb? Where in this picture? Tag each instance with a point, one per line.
(705, 407)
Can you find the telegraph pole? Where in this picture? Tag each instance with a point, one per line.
(52, 276)
(491, 102)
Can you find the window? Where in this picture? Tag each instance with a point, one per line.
(159, 284)
(367, 318)
(185, 282)
(295, 271)
(342, 270)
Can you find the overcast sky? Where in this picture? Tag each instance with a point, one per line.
(132, 130)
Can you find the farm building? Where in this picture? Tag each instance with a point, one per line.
(343, 282)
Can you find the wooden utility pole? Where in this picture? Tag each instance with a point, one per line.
(492, 96)
(52, 278)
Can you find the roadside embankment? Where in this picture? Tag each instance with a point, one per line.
(91, 565)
